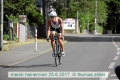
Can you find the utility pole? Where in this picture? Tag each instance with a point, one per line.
(88, 27)
(115, 24)
(46, 16)
(77, 23)
(96, 17)
(1, 25)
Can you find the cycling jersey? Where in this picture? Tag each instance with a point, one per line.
(55, 26)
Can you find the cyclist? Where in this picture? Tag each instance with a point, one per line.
(55, 23)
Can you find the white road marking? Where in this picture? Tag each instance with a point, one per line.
(116, 58)
(113, 43)
(118, 53)
(105, 78)
(118, 48)
(102, 78)
(111, 65)
(113, 75)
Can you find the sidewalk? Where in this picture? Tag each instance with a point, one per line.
(24, 53)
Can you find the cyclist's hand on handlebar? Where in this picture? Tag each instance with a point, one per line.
(62, 37)
(47, 39)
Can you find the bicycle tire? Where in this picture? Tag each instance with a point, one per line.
(56, 53)
(60, 55)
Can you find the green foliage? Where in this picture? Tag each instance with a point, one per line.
(15, 38)
(14, 8)
(5, 37)
(100, 29)
(91, 27)
(113, 14)
(86, 10)
(12, 18)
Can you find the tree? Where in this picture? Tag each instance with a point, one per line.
(108, 12)
(23, 7)
(86, 9)
(113, 20)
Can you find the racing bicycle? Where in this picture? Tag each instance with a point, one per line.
(57, 50)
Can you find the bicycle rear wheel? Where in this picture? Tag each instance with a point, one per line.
(56, 53)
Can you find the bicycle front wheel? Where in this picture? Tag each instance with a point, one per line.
(60, 55)
(56, 54)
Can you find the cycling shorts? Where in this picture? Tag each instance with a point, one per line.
(57, 29)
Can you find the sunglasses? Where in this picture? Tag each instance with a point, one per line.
(52, 16)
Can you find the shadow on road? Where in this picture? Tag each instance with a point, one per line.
(92, 38)
(31, 66)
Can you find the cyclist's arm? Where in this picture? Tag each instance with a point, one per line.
(61, 26)
(48, 30)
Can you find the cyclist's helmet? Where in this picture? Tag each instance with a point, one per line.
(52, 13)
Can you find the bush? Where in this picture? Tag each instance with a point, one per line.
(100, 29)
(15, 38)
(82, 29)
(5, 37)
(92, 27)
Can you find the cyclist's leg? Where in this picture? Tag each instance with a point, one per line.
(51, 36)
(60, 40)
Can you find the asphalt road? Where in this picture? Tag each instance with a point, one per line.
(88, 53)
